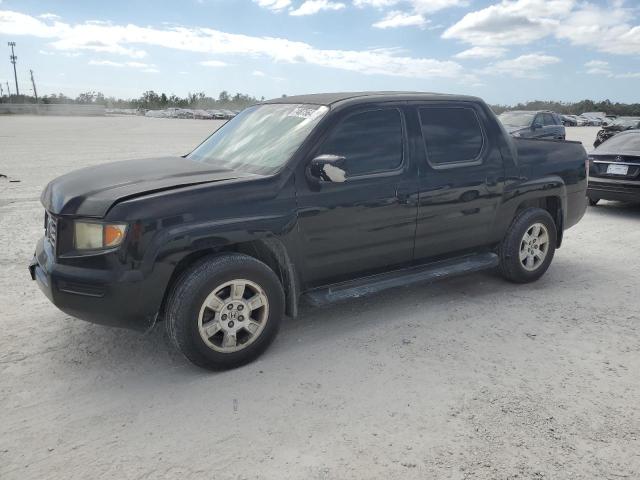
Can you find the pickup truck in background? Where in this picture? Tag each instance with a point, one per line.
(316, 198)
(533, 124)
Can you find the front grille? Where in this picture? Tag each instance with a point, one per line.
(51, 229)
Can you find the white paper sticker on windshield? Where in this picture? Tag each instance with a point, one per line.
(306, 111)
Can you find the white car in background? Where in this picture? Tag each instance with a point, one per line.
(594, 119)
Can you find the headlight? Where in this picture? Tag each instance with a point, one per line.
(95, 236)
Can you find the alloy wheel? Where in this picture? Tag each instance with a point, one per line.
(233, 315)
(534, 247)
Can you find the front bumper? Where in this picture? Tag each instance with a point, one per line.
(612, 189)
(102, 296)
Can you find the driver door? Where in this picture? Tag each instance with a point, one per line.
(365, 224)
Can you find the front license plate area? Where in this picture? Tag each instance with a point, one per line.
(617, 169)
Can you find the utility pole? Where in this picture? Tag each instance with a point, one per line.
(1, 91)
(33, 82)
(13, 59)
(8, 89)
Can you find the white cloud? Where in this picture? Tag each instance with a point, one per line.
(125, 39)
(524, 66)
(510, 22)
(627, 75)
(599, 67)
(606, 29)
(48, 16)
(213, 63)
(258, 73)
(520, 22)
(274, 5)
(482, 52)
(375, 3)
(311, 7)
(420, 6)
(146, 67)
(407, 13)
(397, 18)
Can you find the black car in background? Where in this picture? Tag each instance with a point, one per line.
(533, 124)
(614, 169)
(618, 125)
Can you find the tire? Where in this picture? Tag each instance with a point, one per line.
(593, 201)
(198, 330)
(512, 266)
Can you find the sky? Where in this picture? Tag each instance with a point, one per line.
(503, 51)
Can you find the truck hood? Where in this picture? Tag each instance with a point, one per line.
(92, 191)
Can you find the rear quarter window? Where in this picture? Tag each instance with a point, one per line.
(452, 135)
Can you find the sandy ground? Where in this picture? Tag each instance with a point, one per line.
(470, 378)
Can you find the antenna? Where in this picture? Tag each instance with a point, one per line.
(13, 59)
(33, 82)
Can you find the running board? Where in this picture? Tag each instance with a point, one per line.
(397, 278)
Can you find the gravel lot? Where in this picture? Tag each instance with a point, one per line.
(468, 378)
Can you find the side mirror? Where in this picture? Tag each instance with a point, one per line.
(327, 168)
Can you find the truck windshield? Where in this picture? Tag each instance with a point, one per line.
(260, 139)
(516, 119)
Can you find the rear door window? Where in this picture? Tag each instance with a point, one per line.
(452, 135)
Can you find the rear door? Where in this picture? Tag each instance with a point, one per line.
(366, 224)
(461, 178)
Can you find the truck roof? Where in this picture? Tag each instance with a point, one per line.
(329, 99)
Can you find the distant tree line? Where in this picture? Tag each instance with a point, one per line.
(149, 100)
(576, 108)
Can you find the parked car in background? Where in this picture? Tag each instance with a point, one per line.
(319, 198)
(582, 121)
(594, 119)
(614, 169)
(533, 124)
(217, 114)
(202, 115)
(620, 124)
(569, 120)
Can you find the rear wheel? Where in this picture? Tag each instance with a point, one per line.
(528, 247)
(224, 312)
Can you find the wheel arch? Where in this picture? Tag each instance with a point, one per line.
(553, 205)
(270, 251)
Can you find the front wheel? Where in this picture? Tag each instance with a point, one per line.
(593, 201)
(528, 246)
(225, 311)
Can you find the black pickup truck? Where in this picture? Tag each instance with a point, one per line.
(319, 198)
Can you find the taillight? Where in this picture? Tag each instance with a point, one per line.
(587, 164)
